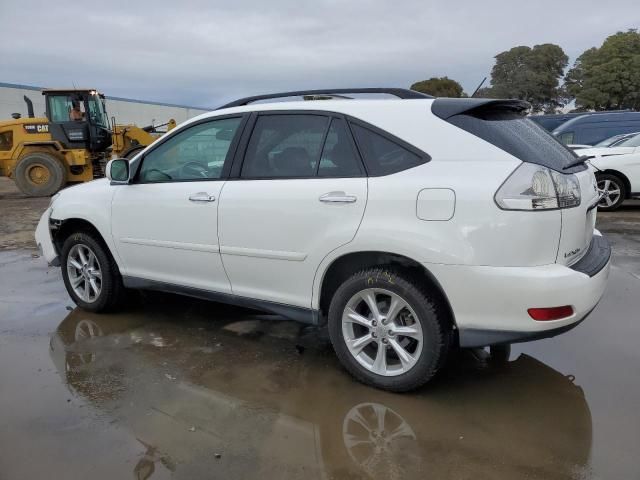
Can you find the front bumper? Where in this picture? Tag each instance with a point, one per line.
(44, 240)
(490, 303)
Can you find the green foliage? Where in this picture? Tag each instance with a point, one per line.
(439, 87)
(607, 78)
(530, 74)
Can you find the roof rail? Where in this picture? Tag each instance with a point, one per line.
(402, 93)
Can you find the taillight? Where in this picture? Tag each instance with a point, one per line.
(534, 187)
(550, 313)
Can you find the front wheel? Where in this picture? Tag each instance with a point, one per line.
(614, 192)
(90, 274)
(387, 331)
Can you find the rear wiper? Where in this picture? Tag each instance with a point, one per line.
(578, 161)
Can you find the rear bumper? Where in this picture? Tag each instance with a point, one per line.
(44, 240)
(490, 303)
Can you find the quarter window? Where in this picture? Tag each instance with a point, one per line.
(383, 156)
(285, 146)
(197, 153)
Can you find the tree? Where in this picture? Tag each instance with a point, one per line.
(607, 78)
(439, 87)
(530, 74)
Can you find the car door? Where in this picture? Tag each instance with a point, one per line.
(165, 223)
(300, 192)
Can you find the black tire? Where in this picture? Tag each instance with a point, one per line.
(615, 183)
(133, 151)
(431, 315)
(40, 174)
(112, 291)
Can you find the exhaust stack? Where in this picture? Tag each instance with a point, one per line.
(29, 106)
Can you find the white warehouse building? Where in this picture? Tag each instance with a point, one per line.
(125, 110)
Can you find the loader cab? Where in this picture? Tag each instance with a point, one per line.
(78, 119)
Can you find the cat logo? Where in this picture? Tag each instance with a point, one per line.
(37, 128)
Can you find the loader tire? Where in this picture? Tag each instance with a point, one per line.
(40, 174)
(133, 151)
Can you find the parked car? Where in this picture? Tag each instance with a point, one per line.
(355, 213)
(618, 178)
(553, 120)
(591, 129)
(628, 145)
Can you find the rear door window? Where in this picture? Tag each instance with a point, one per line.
(338, 157)
(285, 146)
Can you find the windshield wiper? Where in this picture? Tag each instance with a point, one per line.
(578, 161)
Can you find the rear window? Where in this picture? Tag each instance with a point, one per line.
(516, 135)
(384, 156)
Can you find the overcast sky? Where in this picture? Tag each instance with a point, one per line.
(205, 52)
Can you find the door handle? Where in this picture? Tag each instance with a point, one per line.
(202, 197)
(337, 197)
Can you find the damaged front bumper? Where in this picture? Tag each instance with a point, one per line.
(45, 241)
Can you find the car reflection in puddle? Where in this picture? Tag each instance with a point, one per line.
(216, 390)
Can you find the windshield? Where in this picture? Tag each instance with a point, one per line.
(97, 111)
(630, 142)
(609, 141)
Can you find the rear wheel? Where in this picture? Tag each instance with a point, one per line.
(386, 331)
(40, 174)
(614, 191)
(90, 274)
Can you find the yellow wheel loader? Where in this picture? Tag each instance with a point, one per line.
(72, 144)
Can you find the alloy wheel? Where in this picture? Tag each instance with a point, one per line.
(85, 274)
(382, 332)
(611, 192)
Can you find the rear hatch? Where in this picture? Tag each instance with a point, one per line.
(504, 124)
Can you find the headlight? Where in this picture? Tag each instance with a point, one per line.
(534, 187)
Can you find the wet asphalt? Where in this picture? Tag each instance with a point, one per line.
(174, 387)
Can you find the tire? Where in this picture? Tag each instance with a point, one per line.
(110, 291)
(611, 184)
(133, 151)
(421, 316)
(40, 174)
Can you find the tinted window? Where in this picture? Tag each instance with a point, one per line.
(516, 135)
(285, 146)
(594, 133)
(566, 138)
(383, 156)
(197, 153)
(338, 158)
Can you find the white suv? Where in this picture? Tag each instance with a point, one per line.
(412, 226)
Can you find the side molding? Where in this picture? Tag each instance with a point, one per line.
(299, 314)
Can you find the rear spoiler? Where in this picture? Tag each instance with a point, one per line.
(446, 108)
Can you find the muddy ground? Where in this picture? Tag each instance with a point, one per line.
(178, 388)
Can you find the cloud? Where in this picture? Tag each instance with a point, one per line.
(208, 52)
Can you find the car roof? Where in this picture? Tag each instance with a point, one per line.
(338, 106)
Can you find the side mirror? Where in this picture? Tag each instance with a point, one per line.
(118, 171)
